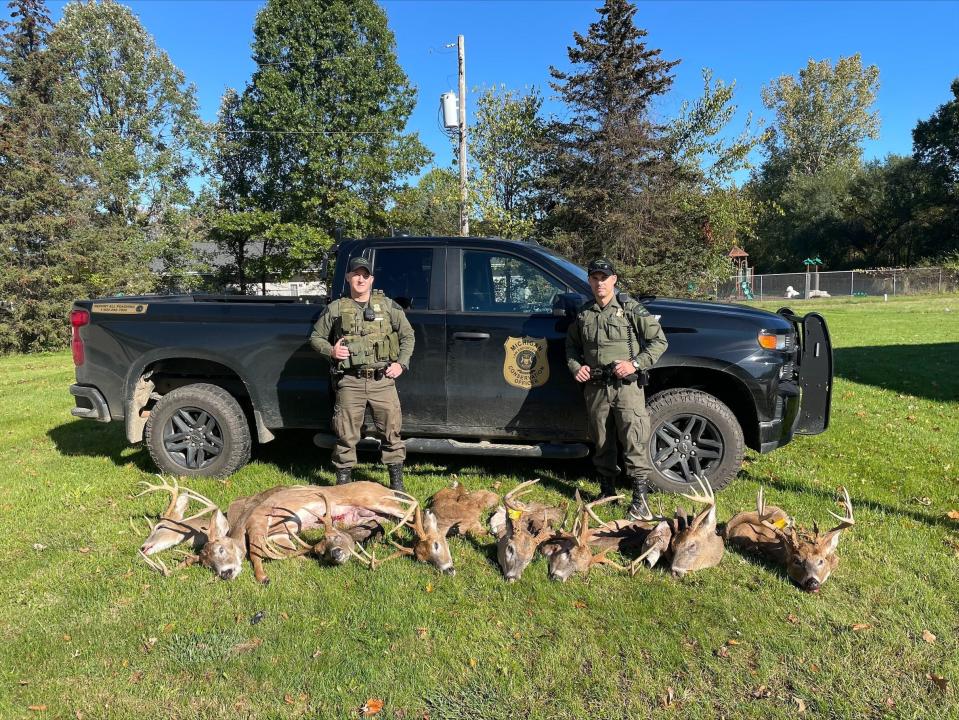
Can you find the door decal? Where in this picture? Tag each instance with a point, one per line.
(525, 365)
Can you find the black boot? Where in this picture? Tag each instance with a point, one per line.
(639, 506)
(344, 476)
(396, 476)
(607, 486)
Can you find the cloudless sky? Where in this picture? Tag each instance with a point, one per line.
(513, 42)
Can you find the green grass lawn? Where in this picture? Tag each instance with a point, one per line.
(87, 631)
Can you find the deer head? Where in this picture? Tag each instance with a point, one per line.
(570, 553)
(430, 545)
(810, 556)
(697, 545)
(173, 528)
(223, 553)
(338, 546)
(523, 531)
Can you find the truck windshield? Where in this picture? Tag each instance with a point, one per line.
(570, 267)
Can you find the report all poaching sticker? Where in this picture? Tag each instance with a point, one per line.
(525, 365)
(120, 308)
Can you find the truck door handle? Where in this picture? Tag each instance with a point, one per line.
(470, 336)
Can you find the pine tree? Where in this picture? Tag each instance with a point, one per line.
(612, 176)
(40, 189)
(325, 111)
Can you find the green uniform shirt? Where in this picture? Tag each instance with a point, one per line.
(322, 337)
(600, 335)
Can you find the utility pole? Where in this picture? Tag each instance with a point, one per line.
(464, 213)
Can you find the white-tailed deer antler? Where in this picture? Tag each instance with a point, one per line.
(846, 520)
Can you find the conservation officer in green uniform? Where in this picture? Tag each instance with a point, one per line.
(609, 345)
(369, 342)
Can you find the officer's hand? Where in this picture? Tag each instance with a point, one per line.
(394, 370)
(582, 375)
(624, 368)
(340, 351)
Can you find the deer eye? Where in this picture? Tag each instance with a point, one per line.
(820, 561)
(436, 547)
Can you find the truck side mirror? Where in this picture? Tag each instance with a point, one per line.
(567, 304)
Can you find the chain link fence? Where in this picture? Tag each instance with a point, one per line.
(841, 283)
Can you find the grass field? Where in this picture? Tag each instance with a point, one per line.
(86, 631)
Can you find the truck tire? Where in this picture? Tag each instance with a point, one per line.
(692, 431)
(198, 430)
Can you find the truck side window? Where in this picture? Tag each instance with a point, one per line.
(404, 275)
(503, 283)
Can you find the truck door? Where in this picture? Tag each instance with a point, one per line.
(414, 277)
(506, 360)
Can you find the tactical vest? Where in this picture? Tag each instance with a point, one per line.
(372, 343)
(608, 337)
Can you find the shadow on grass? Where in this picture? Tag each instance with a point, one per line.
(88, 439)
(294, 453)
(920, 370)
(797, 487)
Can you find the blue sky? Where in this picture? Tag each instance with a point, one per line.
(514, 42)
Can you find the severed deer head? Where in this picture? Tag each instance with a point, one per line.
(570, 553)
(810, 557)
(521, 528)
(173, 528)
(696, 545)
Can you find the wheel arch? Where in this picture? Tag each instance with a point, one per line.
(725, 386)
(158, 372)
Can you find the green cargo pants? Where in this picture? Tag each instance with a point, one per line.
(618, 417)
(353, 394)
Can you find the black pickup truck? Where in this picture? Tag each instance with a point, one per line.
(198, 377)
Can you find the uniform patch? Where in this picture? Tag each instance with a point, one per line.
(120, 308)
(525, 364)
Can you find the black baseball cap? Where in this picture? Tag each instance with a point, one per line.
(360, 262)
(603, 265)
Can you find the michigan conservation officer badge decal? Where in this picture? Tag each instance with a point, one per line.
(525, 365)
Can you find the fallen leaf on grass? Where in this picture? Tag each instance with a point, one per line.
(857, 627)
(136, 676)
(723, 652)
(38, 547)
(890, 703)
(579, 605)
(953, 514)
(284, 616)
(37, 708)
(148, 644)
(84, 550)
(429, 587)
(371, 707)
(245, 647)
(761, 692)
(792, 619)
(316, 653)
(288, 699)
(939, 681)
(667, 699)
(732, 642)
(928, 637)
(800, 704)
(66, 638)
(422, 632)
(472, 662)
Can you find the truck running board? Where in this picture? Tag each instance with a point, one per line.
(447, 446)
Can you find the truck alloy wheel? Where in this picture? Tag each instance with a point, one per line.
(693, 432)
(198, 430)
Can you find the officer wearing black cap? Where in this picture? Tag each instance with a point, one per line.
(612, 342)
(369, 343)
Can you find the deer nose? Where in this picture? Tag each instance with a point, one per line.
(339, 557)
(678, 574)
(449, 570)
(811, 585)
(226, 575)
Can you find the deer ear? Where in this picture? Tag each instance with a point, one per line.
(429, 521)
(218, 526)
(830, 541)
(499, 522)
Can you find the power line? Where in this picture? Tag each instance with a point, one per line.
(303, 132)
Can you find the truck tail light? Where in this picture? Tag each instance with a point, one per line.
(78, 318)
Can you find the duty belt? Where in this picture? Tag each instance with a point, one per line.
(367, 373)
